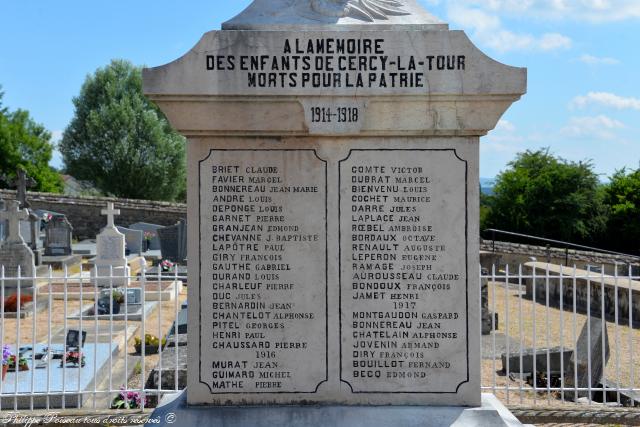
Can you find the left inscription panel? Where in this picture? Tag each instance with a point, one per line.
(263, 271)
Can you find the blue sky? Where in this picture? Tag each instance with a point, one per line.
(582, 56)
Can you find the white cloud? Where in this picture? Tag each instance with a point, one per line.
(573, 10)
(488, 29)
(595, 60)
(606, 99)
(597, 127)
(505, 125)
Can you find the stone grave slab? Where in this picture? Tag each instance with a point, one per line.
(173, 242)
(62, 262)
(152, 230)
(133, 240)
(165, 291)
(333, 211)
(28, 309)
(86, 248)
(130, 312)
(590, 357)
(155, 273)
(58, 237)
(75, 379)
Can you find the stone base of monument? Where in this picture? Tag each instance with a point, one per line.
(492, 413)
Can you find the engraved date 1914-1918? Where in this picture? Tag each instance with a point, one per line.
(335, 114)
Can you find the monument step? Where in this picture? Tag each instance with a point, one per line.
(492, 413)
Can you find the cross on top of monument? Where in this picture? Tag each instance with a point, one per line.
(13, 214)
(110, 212)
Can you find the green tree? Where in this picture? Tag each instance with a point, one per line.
(120, 141)
(546, 196)
(26, 144)
(622, 196)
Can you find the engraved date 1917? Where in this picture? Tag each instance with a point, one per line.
(335, 114)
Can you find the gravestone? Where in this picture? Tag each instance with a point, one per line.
(111, 268)
(489, 319)
(133, 240)
(333, 197)
(58, 237)
(590, 357)
(15, 255)
(30, 226)
(152, 229)
(105, 300)
(173, 242)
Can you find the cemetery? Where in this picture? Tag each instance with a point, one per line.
(329, 266)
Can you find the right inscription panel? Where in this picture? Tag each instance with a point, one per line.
(403, 271)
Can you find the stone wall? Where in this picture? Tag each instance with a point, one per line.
(84, 212)
(515, 254)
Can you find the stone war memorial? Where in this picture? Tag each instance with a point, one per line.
(333, 196)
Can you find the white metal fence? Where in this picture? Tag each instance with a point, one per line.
(59, 303)
(542, 347)
(541, 311)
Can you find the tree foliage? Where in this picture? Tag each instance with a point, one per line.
(120, 141)
(546, 196)
(622, 196)
(26, 144)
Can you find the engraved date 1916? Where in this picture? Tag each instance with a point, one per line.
(335, 114)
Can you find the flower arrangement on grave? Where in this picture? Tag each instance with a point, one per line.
(22, 364)
(148, 236)
(167, 265)
(118, 297)
(11, 303)
(73, 357)
(128, 400)
(6, 354)
(47, 217)
(151, 344)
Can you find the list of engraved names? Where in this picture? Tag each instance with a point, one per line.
(403, 262)
(263, 271)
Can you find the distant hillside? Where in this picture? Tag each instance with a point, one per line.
(486, 185)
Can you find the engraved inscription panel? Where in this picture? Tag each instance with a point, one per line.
(403, 284)
(263, 279)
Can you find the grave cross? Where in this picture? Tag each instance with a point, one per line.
(110, 212)
(23, 182)
(14, 215)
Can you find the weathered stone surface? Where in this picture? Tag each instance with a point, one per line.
(16, 258)
(152, 229)
(334, 15)
(133, 240)
(557, 359)
(588, 291)
(173, 242)
(332, 207)
(111, 267)
(590, 357)
(58, 232)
